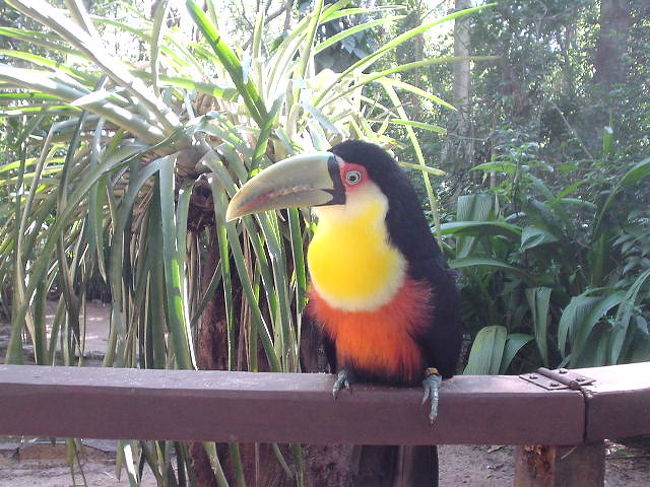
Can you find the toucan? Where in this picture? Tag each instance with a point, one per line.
(380, 289)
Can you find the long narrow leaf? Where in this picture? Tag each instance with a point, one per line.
(230, 61)
(623, 316)
(539, 301)
(514, 343)
(177, 312)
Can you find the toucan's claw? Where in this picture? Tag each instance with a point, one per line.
(342, 381)
(431, 385)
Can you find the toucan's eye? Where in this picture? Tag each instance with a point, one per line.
(353, 177)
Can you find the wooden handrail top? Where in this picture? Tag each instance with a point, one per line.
(220, 406)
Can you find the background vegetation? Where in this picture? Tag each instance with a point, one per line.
(126, 126)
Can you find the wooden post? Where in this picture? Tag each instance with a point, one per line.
(560, 466)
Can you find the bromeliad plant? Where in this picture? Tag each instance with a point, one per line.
(123, 169)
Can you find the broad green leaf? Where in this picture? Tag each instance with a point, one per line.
(572, 317)
(577, 202)
(514, 343)
(623, 315)
(635, 174)
(608, 142)
(539, 300)
(599, 311)
(479, 228)
(487, 351)
(472, 207)
(465, 262)
(533, 236)
(580, 317)
(638, 172)
(541, 187)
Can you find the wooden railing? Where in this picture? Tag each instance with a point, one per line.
(220, 406)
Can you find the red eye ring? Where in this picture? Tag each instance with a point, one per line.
(353, 177)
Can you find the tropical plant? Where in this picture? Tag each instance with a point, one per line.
(568, 275)
(121, 167)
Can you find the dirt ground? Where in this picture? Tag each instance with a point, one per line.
(45, 465)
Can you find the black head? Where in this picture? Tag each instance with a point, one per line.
(407, 225)
(382, 168)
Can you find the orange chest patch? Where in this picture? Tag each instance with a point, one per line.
(381, 341)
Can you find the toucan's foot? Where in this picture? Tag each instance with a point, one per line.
(343, 379)
(431, 385)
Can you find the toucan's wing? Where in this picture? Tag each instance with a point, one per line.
(317, 352)
(441, 339)
(330, 352)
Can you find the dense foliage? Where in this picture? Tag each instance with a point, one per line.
(561, 155)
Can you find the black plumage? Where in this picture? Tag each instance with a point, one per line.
(410, 233)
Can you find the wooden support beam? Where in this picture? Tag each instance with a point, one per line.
(560, 466)
(265, 407)
(618, 402)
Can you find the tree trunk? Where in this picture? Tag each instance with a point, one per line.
(461, 69)
(615, 21)
(211, 354)
(459, 148)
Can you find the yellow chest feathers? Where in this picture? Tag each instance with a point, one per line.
(351, 263)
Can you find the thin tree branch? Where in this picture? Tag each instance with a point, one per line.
(575, 134)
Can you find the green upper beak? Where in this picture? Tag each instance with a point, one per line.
(299, 181)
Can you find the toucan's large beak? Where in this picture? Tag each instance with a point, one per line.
(299, 181)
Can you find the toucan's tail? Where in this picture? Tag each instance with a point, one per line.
(395, 466)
